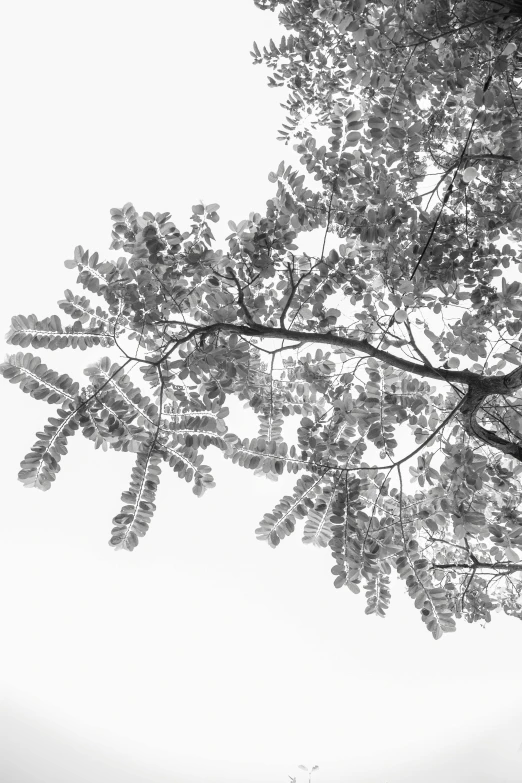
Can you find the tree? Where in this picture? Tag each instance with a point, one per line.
(408, 323)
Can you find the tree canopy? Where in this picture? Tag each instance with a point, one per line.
(397, 348)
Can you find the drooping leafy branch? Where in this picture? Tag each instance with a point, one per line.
(407, 91)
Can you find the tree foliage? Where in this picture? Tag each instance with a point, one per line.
(398, 349)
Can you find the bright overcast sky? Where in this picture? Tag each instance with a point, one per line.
(204, 655)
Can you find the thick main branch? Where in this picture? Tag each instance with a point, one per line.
(475, 396)
(479, 387)
(328, 338)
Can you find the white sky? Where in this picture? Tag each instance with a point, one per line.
(204, 655)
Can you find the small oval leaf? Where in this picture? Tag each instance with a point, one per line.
(469, 174)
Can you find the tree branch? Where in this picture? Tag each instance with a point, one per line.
(241, 298)
(415, 346)
(472, 402)
(507, 568)
(328, 338)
